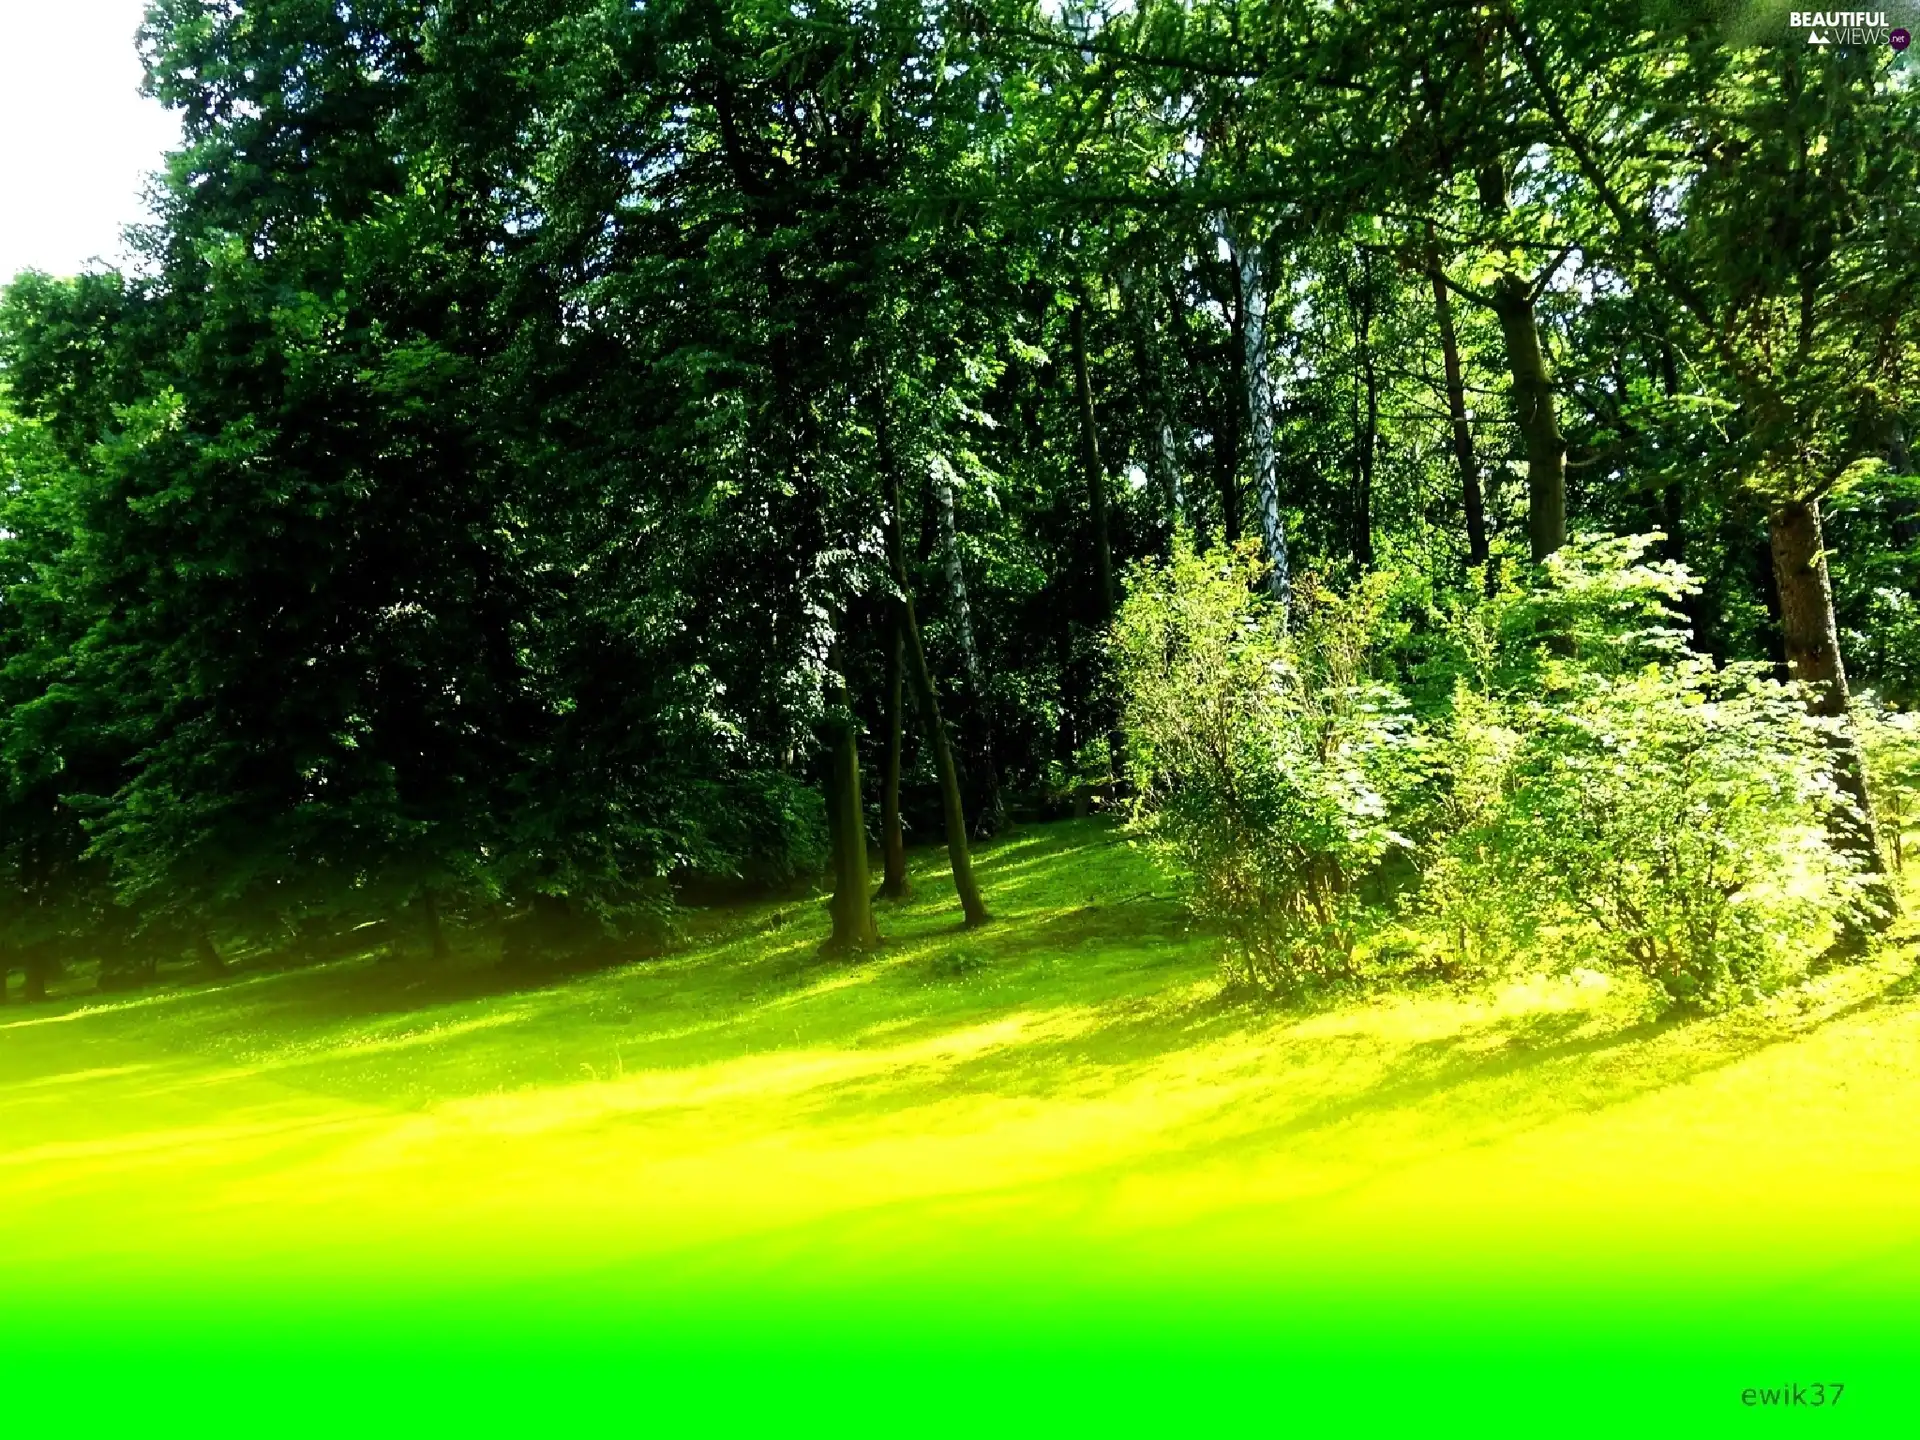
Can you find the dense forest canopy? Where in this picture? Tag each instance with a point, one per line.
(560, 456)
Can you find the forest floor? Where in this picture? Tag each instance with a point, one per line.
(1056, 1131)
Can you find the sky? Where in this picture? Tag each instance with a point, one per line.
(76, 138)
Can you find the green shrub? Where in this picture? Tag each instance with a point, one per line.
(1610, 796)
(1670, 819)
(1265, 762)
(1891, 740)
(1574, 785)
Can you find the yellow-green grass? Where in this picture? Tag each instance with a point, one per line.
(1041, 1177)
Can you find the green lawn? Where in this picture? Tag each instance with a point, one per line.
(1052, 1132)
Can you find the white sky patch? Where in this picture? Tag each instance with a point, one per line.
(77, 139)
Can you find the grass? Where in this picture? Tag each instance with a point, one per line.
(1053, 1132)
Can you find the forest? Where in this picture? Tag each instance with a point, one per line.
(1438, 474)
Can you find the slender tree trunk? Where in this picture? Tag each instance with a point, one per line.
(34, 972)
(1533, 403)
(1257, 360)
(209, 954)
(959, 859)
(1673, 519)
(894, 884)
(1091, 471)
(1108, 596)
(1224, 411)
(927, 698)
(1464, 458)
(436, 930)
(1150, 359)
(1812, 643)
(852, 906)
(992, 816)
(1674, 497)
(6, 971)
(1233, 420)
(1370, 430)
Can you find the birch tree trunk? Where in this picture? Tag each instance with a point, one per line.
(1257, 360)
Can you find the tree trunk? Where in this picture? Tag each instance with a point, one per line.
(958, 856)
(209, 954)
(1673, 499)
(1370, 430)
(436, 930)
(34, 971)
(1533, 404)
(894, 884)
(992, 816)
(927, 698)
(852, 907)
(1232, 417)
(1812, 642)
(1470, 493)
(1108, 597)
(1150, 359)
(1090, 469)
(1260, 403)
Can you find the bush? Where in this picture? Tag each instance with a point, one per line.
(1574, 783)
(1265, 762)
(1613, 792)
(1673, 820)
(1891, 740)
(761, 832)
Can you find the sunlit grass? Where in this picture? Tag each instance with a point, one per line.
(1062, 1102)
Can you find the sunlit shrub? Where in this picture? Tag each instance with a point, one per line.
(1891, 739)
(1613, 797)
(1264, 761)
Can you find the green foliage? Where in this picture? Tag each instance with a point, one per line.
(1669, 819)
(1265, 760)
(1616, 798)
(765, 829)
(1873, 533)
(1891, 740)
(488, 484)
(1591, 789)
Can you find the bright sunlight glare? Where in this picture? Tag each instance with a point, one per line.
(77, 139)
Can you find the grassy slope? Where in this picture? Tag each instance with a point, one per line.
(1056, 1123)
